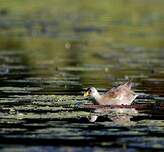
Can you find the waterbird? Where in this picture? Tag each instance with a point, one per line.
(121, 95)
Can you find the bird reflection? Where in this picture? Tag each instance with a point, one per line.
(118, 115)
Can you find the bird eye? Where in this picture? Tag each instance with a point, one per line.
(89, 91)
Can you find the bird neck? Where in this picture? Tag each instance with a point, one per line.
(97, 96)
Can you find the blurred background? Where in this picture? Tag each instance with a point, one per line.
(55, 49)
(98, 40)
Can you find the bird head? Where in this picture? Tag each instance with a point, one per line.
(90, 92)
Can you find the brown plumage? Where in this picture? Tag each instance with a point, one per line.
(115, 96)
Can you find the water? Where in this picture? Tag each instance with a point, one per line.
(51, 51)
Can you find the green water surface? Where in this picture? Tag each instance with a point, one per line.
(51, 51)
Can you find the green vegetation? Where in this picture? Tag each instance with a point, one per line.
(51, 51)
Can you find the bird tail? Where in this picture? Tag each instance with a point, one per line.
(128, 84)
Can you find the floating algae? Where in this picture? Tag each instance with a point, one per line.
(50, 55)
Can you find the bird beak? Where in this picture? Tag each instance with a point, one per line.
(86, 94)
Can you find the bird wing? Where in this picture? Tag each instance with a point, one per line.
(113, 93)
(120, 94)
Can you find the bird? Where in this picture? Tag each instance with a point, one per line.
(121, 95)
